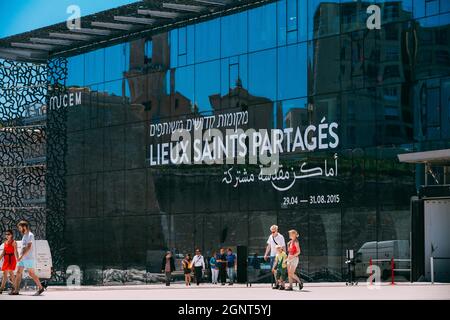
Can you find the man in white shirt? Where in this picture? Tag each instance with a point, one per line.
(275, 239)
(199, 266)
(26, 259)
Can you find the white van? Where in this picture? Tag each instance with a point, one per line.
(42, 258)
(383, 250)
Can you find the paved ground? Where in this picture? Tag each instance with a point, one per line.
(322, 291)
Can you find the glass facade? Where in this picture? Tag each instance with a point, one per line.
(291, 63)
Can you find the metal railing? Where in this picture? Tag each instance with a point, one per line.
(393, 269)
(432, 266)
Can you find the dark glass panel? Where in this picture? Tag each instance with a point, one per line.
(135, 192)
(292, 71)
(262, 23)
(75, 193)
(293, 113)
(207, 40)
(113, 242)
(135, 148)
(113, 195)
(75, 71)
(184, 87)
(116, 61)
(73, 236)
(114, 148)
(262, 74)
(234, 74)
(259, 231)
(323, 19)
(113, 104)
(394, 232)
(325, 67)
(207, 84)
(325, 251)
(93, 251)
(134, 244)
(183, 237)
(359, 233)
(94, 68)
(234, 34)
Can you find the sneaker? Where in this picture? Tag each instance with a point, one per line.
(283, 288)
(276, 287)
(301, 285)
(13, 293)
(39, 292)
(289, 289)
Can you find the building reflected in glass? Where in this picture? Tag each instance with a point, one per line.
(289, 64)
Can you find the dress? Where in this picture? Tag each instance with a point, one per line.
(9, 259)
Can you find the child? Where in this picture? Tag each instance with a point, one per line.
(280, 268)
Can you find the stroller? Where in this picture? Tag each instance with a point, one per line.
(350, 262)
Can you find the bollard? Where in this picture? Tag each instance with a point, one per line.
(392, 271)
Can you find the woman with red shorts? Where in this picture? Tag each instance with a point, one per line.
(9, 256)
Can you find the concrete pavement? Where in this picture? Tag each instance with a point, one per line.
(311, 291)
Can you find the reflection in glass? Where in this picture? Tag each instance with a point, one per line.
(262, 74)
(207, 84)
(234, 34)
(207, 41)
(75, 71)
(292, 71)
(94, 68)
(262, 23)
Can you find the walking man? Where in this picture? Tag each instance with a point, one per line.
(199, 266)
(275, 239)
(168, 266)
(26, 259)
(221, 259)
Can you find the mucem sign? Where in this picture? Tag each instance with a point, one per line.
(66, 100)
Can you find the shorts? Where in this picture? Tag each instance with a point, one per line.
(293, 262)
(281, 274)
(187, 271)
(26, 264)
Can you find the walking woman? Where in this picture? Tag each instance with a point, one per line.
(187, 269)
(214, 268)
(292, 260)
(10, 256)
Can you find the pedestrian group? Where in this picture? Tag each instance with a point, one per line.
(15, 262)
(283, 259)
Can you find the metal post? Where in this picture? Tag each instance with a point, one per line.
(432, 269)
(392, 271)
(445, 174)
(410, 257)
(426, 174)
